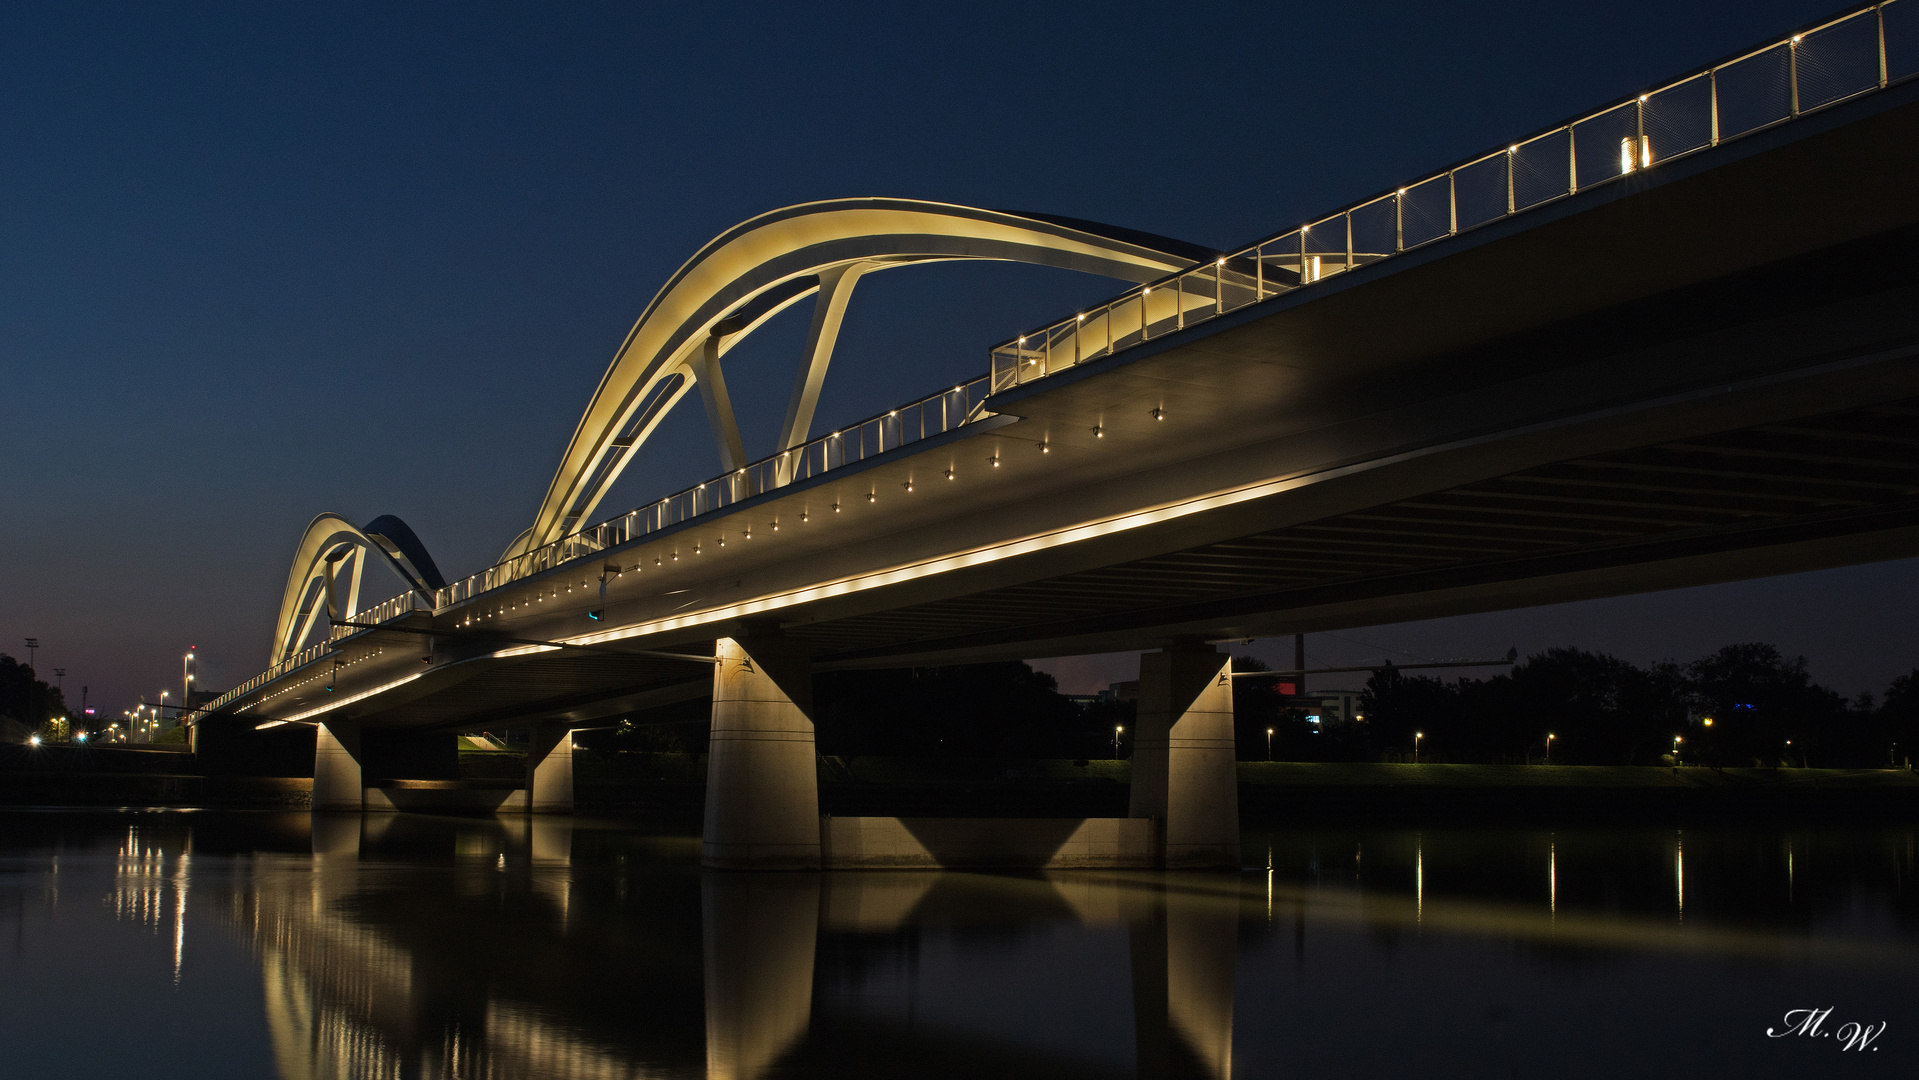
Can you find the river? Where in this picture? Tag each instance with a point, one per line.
(253, 945)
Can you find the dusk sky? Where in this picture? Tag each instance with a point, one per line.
(256, 264)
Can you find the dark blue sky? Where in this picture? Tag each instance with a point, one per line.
(259, 262)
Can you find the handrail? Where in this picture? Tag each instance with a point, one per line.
(1835, 60)
(934, 415)
(387, 610)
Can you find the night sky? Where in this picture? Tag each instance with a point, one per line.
(259, 263)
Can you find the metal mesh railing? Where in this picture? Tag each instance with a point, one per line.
(899, 427)
(1855, 53)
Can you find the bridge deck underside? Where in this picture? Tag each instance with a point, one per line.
(1845, 473)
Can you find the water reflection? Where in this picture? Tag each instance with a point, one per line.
(411, 946)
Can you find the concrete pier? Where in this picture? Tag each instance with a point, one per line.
(762, 780)
(549, 770)
(1183, 772)
(338, 780)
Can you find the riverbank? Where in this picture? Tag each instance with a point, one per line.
(670, 788)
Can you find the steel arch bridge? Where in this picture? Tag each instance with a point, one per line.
(726, 291)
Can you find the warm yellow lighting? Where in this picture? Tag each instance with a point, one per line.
(1708, 721)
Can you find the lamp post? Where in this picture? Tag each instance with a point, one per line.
(1676, 740)
(1269, 744)
(1549, 747)
(186, 678)
(1417, 735)
(1116, 730)
(33, 645)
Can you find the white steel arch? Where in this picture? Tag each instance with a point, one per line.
(332, 548)
(757, 269)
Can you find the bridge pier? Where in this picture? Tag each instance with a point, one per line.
(338, 780)
(762, 780)
(1183, 759)
(549, 770)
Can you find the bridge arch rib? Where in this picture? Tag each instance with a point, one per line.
(759, 268)
(332, 548)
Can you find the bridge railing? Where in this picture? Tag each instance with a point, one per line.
(934, 415)
(385, 611)
(1859, 52)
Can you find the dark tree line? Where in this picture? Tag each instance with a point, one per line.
(1600, 710)
(1764, 708)
(25, 699)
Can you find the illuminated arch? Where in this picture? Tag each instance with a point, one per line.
(332, 548)
(759, 268)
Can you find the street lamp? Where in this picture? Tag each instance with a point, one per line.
(1116, 730)
(1549, 747)
(1675, 749)
(1417, 735)
(1269, 744)
(186, 678)
(33, 645)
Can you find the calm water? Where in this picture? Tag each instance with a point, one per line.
(220, 945)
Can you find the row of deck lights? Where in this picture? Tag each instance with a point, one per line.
(1158, 413)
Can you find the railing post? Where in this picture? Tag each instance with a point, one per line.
(1219, 286)
(1792, 72)
(1348, 215)
(1399, 221)
(1452, 202)
(1179, 302)
(1642, 155)
(1879, 17)
(1512, 157)
(1572, 159)
(1302, 254)
(1712, 88)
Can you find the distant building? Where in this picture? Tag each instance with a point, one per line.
(1121, 691)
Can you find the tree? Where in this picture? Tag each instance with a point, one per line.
(25, 698)
(1757, 700)
(974, 710)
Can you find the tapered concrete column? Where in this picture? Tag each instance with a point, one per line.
(1184, 955)
(337, 783)
(549, 770)
(762, 783)
(759, 934)
(1183, 772)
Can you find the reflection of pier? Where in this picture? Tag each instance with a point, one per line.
(470, 968)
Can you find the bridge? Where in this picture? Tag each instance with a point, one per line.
(1667, 343)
